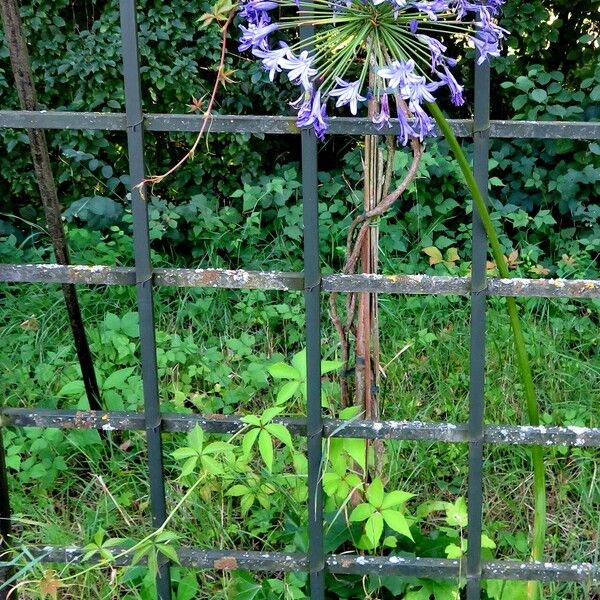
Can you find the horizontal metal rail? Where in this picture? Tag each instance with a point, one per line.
(389, 430)
(265, 124)
(275, 280)
(227, 560)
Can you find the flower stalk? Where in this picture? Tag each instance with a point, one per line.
(524, 366)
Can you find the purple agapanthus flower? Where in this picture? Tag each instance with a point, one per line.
(312, 112)
(348, 66)
(299, 68)
(347, 93)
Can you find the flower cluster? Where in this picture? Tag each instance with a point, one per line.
(369, 49)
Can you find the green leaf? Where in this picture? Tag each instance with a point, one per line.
(287, 391)
(117, 378)
(73, 388)
(282, 370)
(251, 420)
(374, 528)
(453, 551)
(395, 498)
(281, 433)
(357, 450)
(265, 447)
(435, 256)
(237, 490)
(189, 465)
(498, 589)
(397, 521)
(196, 438)
(270, 414)
(211, 465)
(375, 492)
(169, 552)
(299, 362)
(361, 512)
(330, 365)
(182, 453)
(248, 441)
(538, 95)
(456, 513)
(595, 94)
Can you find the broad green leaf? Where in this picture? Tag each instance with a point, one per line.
(188, 588)
(299, 362)
(456, 513)
(211, 465)
(265, 447)
(498, 589)
(218, 447)
(188, 466)
(169, 552)
(395, 498)
(331, 481)
(397, 521)
(196, 438)
(375, 492)
(282, 370)
(73, 388)
(281, 433)
(246, 503)
(251, 420)
(453, 551)
(350, 412)
(361, 512)
(330, 365)
(117, 378)
(487, 542)
(287, 391)
(269, 414)
(357, 450)
(248, 441)
(435, 255)
(374, 528)
(237, 490)
(182, 453)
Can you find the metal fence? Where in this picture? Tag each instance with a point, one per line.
(313, 427)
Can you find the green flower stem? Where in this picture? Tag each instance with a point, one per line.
(537, 456)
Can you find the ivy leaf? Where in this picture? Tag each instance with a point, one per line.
(456, 513)
(237, 490)
(281, 433)
(182, 453)
(395, 498)
(287, 391)
(265, 447)
(299, 362)
(330, 365)
(248, 441)
(282, 370)
(169, 552)
(196, 439)
(375, 492)
(361, 512)
(374, 528)
(397, 521)
(188, 466)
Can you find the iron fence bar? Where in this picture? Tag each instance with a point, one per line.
(477, 337)
(314, 422)
(276, 280)
(583, 437)
(143, 275)
(227, 560)
(106, 121)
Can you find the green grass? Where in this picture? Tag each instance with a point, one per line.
(213, 348)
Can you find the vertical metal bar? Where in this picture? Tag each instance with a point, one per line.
(312, 299)
(143, 269)
(478, 325)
